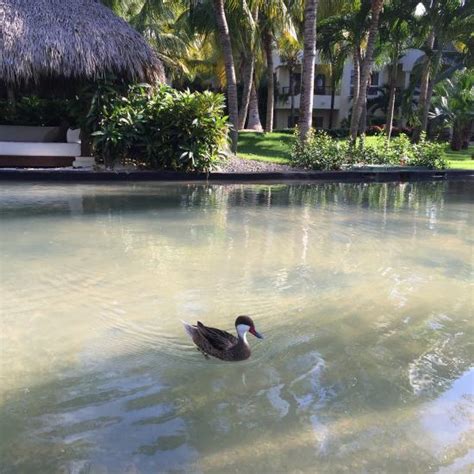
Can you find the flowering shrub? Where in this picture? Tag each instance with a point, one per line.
(159, 128)
(319, 152)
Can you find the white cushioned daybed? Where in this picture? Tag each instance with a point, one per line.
(25, 146)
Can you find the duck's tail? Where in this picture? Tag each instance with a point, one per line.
(189, 328)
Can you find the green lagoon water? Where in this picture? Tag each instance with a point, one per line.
(363, 292)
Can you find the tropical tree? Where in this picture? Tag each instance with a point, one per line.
(290, 51)
(309, 62)
(454, 106)
(275, 21)
(334, 48)
(248, 19)
(224, 38)
(446, 22)
(396, 33)
(366, 68)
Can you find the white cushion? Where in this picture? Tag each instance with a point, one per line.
(39, 149)
(73, 135)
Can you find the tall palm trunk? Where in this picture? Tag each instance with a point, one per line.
(254, 115)
(333, 94)
(249, 66)
(292, 96)
(270, 82)
(249, 71)
(224, 38)
(391, 100)
(457, 136)
(366, 68)
(363, 119)
(309, 61)
(356, 84)
(425, 78)
(429, 92)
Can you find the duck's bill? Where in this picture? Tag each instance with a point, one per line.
(256, 333)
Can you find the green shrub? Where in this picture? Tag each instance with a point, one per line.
(428, 154)
(400, 151)
(159, 128)
(319, 152)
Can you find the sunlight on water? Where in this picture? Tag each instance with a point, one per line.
(363, 293)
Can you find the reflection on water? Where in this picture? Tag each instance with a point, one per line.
(363, 293)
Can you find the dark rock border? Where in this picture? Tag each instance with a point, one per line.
(362, 175)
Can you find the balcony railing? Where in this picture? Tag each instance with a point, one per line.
(371, 91)
(285, 90)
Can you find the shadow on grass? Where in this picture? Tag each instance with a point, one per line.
(266, 147)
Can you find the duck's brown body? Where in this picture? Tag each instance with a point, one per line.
(221, 344)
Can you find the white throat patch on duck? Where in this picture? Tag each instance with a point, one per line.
(242, 330)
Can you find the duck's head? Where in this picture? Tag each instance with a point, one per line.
(244, 324)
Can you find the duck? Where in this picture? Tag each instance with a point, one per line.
(221, 344)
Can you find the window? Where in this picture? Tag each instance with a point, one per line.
(320, 84)
(318, 122)
(290, 124)
(374, 79)
(297, 82)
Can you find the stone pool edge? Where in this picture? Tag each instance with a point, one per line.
(363, 175)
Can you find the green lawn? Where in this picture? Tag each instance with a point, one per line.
(275, 148)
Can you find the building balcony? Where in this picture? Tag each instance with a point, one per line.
(321, 98)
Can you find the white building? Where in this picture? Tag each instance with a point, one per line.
(322, 89)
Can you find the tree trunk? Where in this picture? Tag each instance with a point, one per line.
(457, 137)
(224, 38)
(429, 92)
(356, 84)
(309, 61)
(391, 101)
(425, 77)
(333, 94)
(363, 116)
(366, 68)
(467, 135)
(248, 71)
(249, 65)
(270, 83)
(363, 119)
(254, 115)
(292, 97)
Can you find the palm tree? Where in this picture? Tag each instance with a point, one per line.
(366, 68)
(446, 21)
(334, 48)
(275, 22)
(454, 106)
(309, 62)
(289, 49)
(396, 31)
(247, 19)
(224, 37)
(268, 47)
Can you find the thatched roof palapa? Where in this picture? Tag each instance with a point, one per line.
(70, 39)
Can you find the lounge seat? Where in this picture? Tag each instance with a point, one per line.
(36, 150)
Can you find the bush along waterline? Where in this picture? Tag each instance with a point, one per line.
(322, 152)
(159, 128)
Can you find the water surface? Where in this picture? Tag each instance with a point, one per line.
(364, 294)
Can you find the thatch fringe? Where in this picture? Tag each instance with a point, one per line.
(76, 39)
